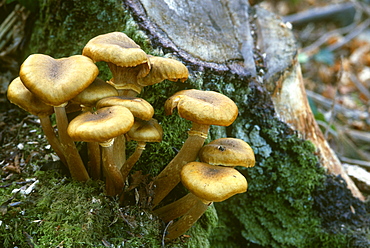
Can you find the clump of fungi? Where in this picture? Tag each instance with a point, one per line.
(109, 114)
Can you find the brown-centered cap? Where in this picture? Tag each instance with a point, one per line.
(139, 107)
(56, 81)
(19, 95)
(164, 68)
(211, 182)
(102, 125)
(97, 90)
(116, 48)
(145, 131)
(227, 152)
(203, 107)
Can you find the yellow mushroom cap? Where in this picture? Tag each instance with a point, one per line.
(164, 68)
(227, 152)
(97, 90)
(212, 183)
(203, 107)
(19, 95)
(116, 48)
(139, 107)
(56, 81)
(102, 125)
(145, 131)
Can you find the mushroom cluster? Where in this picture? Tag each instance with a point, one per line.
(108, 114)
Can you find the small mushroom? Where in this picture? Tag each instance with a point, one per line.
(202, 108)
(163, 68)
(103, 126)
(87, 99)
(19, 95)
(55, 82)
(160, 69)
(138, 107)
(227, 152)
(96, 91)
(141, 132)
(208, 183)
(123, 56)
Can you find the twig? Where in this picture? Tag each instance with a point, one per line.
(320, 13)
(324, 38)
(165, 232)
(332, 108)
(29, 239)
(355, 32)
(362, 163)
(360, 86)
(360, 137)
(327, 103)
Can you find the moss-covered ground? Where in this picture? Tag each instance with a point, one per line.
(284, 204)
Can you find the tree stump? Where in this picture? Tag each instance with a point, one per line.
(233, 37)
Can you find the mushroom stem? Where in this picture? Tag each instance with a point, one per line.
(73, 158)
(114, 176)
(130, 162)
(94, 155)
(187, 220)
(177, 208)
(130, 93)
(170, 175)
(119, 148)
(52, 138)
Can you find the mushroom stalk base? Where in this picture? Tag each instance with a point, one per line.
(170, 176)
(119, 147)
(52, 138)
(73, 158)
(94, 155)
(113, 175)
(177, 208)
(130, 162)
(187, 220)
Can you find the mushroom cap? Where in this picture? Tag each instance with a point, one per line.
(97, 90)
(116, 48)
(145, 131)
(102, 125)
(56, 81)
(19, 95)
(138, 106)
(227, 152)
(203, 107)
(212, 183)
(164, 68)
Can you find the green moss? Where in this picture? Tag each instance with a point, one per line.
(74, 214)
